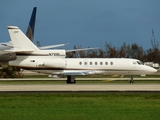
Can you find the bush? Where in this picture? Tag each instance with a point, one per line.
(10, 72)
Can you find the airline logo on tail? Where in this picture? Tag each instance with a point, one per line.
(30, 29)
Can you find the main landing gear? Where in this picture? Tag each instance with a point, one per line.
(131, 80)
(71, 79)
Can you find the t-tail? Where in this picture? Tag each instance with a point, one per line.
(31, 26)
(20, 41)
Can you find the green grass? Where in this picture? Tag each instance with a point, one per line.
(79, 106)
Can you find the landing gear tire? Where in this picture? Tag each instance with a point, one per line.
(71, 80)
(131, 80)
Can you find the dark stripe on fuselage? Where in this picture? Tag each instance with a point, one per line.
(29, 54)
(27, 68)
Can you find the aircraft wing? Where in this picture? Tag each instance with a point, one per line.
(79, 72)
(52, 46)
(81, 49)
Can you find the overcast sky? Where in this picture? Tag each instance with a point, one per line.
(89, 23)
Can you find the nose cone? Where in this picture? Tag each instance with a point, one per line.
(151, 70)
(155, 70)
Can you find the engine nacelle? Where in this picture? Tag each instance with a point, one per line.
(57, 63)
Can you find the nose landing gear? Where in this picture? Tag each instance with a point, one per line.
(131, 80)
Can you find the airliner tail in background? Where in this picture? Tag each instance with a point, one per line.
(31, 26)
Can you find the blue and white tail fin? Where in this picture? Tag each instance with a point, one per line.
(31, 26)
(20, 41)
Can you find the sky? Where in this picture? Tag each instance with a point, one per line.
(86, 23)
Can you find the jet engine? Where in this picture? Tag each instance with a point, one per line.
(57, 63)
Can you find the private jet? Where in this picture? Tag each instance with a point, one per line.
(30, 57)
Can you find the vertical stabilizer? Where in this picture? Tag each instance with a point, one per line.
(31, 26)
(20, 40)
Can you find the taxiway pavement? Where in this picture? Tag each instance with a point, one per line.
(20, 88)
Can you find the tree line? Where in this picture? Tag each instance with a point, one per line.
(125, 51)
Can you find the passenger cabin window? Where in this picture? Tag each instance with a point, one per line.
(101, 63)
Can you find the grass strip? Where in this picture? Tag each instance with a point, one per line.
(79, 106)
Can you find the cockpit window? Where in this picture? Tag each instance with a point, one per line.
(140, 62)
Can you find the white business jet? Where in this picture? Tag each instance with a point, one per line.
(30, 57)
